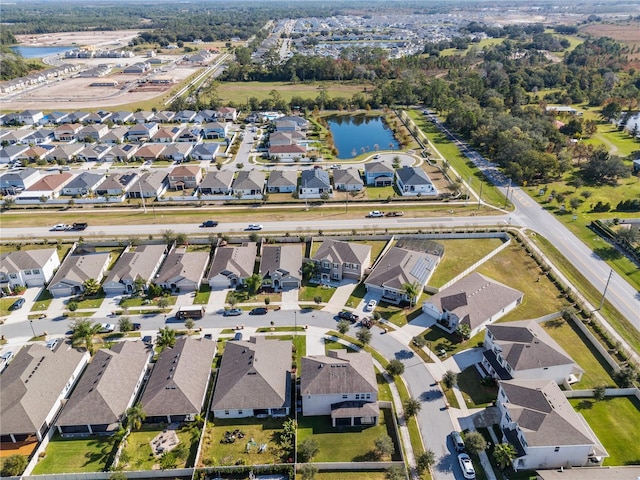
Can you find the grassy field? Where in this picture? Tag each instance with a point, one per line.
(89, 302)
(75, 455)
(139, 453)
(309, 292)
(5, 304)
(616, 422)
(578, 347)
(359, 475)
(141, 301)
(43, 301)
(460, 255)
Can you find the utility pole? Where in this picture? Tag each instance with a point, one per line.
(480, 195)
(604, 293)
(506, 200)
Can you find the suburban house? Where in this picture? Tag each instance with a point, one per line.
(136, 264)
(399, 267)
(142, 132)
(217, 183)
(30, 117)
(164, 116)
(137, 68)
(143, 116)
(254, 379)
(347, 180)
(182, 271)
(178, 152)
(31, 268)
(185, 176)
(149, 185)
(228, 114)
(378, 174)
(15, 136)
(11, 153)
(290, 123)
(55, 117)
(83, 184)
(65, 153)
(115, 135)
(231, 266)
(93, 131)
(77, 269)
(215, 130)
(116, 184)
(150, 152)
(205, 151)
(34, 153)
(121, 153)
(107, 388)
(287, 152)
(414, 181)
(342, 385)
(285, 138)
(40, 137)
(67, 132)
(33, 387)
(281, 266)
(78, 116)
(523, 350)
(475, 301)
(167, 135)
(184, 116)
(189, 135)
(538, 420)
(93, 153)
(337, 260)
(314, 183)
(178, 384)
(49, 186)
(17, 181)
(282, 181)
(206, 116)
(248, 183)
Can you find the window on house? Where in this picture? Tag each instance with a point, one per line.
(27, 272)
(36, 272)
(357, 396)
(226, 412)
(557, 449)
(13, 275)
(368, 396)
(240, 412)
(345, 396)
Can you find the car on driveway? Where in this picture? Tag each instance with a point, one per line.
(5, 359)
(60, 227)
(375, 214)
(258, 311)
(232, 312)
(254, 226)
(17, 305)
(107, 328)
(466, 465)
(209, 223)
(371, 305)
(351, 317)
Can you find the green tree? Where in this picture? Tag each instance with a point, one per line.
(419, 341)
(91, 287)
(14, 465)
(425, 460)
(72, 306)
(411, 290)
(169, 236)
(166, 337)
(503, 454)
(181, 239)
(83, 332)
(308, 471)
(395, 367)
(163, 302)
(189, 323)
(364, 336)
(464, 331)
(450, 379)
(475, 443)
(384, 446)
(395, 473)
(411, 407)
(307, 449)
(343, 326)
(253, 283)
(135, 416)
(125, 324)
(309, 270)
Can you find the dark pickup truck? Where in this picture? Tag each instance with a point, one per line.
(79, 226)
(352, 317)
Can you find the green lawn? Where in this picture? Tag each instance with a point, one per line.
(578, 347)
(309, 292)
(75, 455)
(139, 453)
(359, 475)
(144, 302)
(242, 296)
(349, 444)
(616, 422)
(438, 340)
(202, 297)
(460, 255)
(261, 430)
(89, 302)
(43, 301)
(5, 303)
(475, 394)
(357, 295)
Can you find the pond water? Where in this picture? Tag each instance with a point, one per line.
(360, 134)
(39, 52)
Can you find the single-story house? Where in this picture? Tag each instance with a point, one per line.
(184, 116)
(116, 184)
(342, 385)
(475, 300)
(33, 387)
(78, 116)
(178, 152)
(93, 153)
(282, 181)
(65, 153)
(281, 266)
(314, 183)
(337, 260)
(178, 384)
(121, 117)
(83, 184)
(31, 268)
(185, 176)
(523, 350)
(254, 379)
(143, 116)
(116, 135)
(232, 265)
(16, 181)
(205, 151)
(378, 174)
(49, 186)
(287, 152)
(142, 132)
(414, 181)
(182, 271)
(77, 269)
(136, 264)
(347, 180)
(11, 153)
(164, 116)
(121, 153)
(34, 153)
(149, 185)
(167, 135)
(248, 183)
(107, 388)
(192, 135)
(217, 183)
(150, 152)
(538, 420)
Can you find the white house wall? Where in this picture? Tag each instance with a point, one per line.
(546, 457)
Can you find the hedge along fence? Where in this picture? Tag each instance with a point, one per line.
(609, 392)
(610, 236)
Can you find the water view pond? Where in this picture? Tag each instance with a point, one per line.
(359, 134)
(39, 52)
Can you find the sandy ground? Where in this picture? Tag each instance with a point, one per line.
(79, 39)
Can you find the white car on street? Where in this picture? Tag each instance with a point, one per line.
(61, 227)
(375, 214)
(254, 226)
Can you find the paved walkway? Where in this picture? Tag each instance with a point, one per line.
(217, 300)
(340, 296)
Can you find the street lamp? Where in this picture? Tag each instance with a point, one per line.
(32, 330)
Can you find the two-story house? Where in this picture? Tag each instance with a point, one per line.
(185, 176)
(378, 174)
(336, 260)
(31, 268)
(83, 184)
(281, 266)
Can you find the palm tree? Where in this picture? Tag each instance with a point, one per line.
(411, 290)
(411, 407)
(310, 270)
(83, 332)
(135, 416)
(91, 287)
(253, 283)
(504, 453)
(166, 337)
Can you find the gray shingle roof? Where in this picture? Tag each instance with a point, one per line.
(254, 375)
(314, 178)
(249, 180)
(378, 167)
(413, 176)
(179, 379)
(217, 180)
(80, 268)
(182, 265)
(85, 180)
(282, 178)
(338, 373)
(342, 252)
(238, 260)
(103, 392)
(138, 263)
(286, 259)
(349, 176)
(25, 259)
(400, 266)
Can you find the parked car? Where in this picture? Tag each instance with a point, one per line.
(467, 466)
(209, 223)
(394, 214)
(136, 326)
(107, 328)
(79, 226)
(17, 305)
(232, 312)
(259, 311)
(371, 305)
(376, 157)
(51, 344)
(208, 336)
(238, 336)
(7, 356)
(61, 227)
(352, 317)
(366, 322)
(375, 214)
(148, 339)
(456, 438)
(254, 226)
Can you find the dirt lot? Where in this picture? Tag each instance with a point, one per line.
(95, 38)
